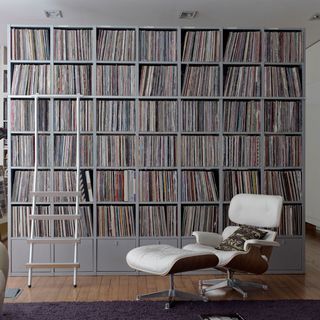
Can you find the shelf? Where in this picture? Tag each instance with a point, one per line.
(241, 168)
(297, 133)
(196, 203)
(30, 61)
(29, 133)
(73, 132)
(200, 168)
(158, 97)
(200, 133)
(118, 133)
(158, 133)
(200, 97)
(279, 168)
(116, 62)
(240, 63)
(225, 133)
(116, 238)
(241, 98)
(201, 63)
(111, 168)
(46, 203)
(284, 98)
(283, 64)
(71, 168)
(101, 203)
(73, 62)
(160, 203)
(166, 63)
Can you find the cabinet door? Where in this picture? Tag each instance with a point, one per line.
(112, 253)
(20, 255)
(187, 240)
(170, 242)
(288, 257)
(64, 253)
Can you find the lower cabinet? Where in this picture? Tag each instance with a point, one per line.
(111, 254)
(64, 253)
(187, 240)
(20, 255)
(49, 253)
(289, 257)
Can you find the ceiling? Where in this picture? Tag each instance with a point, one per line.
(217, 13)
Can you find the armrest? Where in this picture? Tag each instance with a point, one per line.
(207, 238)
(260, 243)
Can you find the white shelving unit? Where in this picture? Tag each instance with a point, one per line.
(103, 252)
(3, 123)
(3, 103)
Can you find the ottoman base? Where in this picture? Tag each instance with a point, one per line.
(172, 294)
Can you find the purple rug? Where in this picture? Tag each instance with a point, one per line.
(142, 310)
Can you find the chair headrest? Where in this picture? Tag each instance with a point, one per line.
(256, 210)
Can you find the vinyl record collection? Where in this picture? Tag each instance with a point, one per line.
(158, 116)
(200, 116)
(115, 115)
(243, 47)
(158, 221)
(116, 221)
(201, 46)
(158, 45)
(242, 116)
(199, 218)
(72, 44)
(30, 44)
(116, 45)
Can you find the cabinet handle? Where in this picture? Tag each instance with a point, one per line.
(116, 243)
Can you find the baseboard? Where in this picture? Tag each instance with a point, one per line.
(310, 226)
(313, 221)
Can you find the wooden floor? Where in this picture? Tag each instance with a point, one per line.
(105, 288)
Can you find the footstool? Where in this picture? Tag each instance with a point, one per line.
(165, 260)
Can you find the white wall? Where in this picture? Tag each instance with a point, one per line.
(313, 134)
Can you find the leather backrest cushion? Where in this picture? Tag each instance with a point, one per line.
(256, 210)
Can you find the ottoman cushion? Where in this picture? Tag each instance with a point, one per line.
(165, 259)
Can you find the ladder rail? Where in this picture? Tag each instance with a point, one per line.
(78, 125)
(34, 187)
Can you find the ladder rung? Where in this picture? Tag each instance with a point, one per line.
(53, 240)
(52, 265)
(54, 216)
(55, 194)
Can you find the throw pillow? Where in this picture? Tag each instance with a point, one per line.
(235, 241)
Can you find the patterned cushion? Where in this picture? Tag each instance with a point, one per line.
(235, 242)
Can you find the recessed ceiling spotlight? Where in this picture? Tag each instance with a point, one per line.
(316, 16)
(53, 13)
(188, 14)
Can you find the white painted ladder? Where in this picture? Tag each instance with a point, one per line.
(32, 240)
